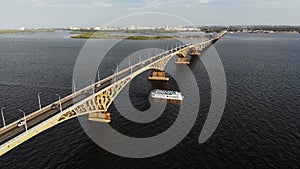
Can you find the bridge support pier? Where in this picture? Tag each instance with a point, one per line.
(100, 117)
(182, 60)
(158, 76)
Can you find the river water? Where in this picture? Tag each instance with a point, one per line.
(260, 127)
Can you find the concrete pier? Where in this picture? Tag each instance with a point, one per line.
(100, 117)
(158, 75)
(182, 60)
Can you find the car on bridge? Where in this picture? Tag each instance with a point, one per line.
(54, 105)
(21, 123)
(98, 85)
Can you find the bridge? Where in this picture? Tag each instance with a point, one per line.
(95, 99)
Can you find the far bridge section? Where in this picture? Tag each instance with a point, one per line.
(95, 99)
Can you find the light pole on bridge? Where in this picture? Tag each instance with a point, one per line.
(39, 99)
(93, 83)
(98, 75)
(115, 78)
(129, 61)
(149, 54)
(130, 64)
(74, 86)
(60, 107)
(25, 121)
(117, 72)
(142, 63)
(2, 113)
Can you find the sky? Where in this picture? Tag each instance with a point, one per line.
(90, 13)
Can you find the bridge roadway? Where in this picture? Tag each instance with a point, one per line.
(14, 135)
(41, 115)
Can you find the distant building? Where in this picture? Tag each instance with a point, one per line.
(74, 28)
(96, 28)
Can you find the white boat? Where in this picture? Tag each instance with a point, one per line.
(165, 94)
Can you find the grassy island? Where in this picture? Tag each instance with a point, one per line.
(91, 35)
(14, 31)
(107, 35)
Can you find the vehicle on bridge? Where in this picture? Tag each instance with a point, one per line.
(21, 123)
(54, 105)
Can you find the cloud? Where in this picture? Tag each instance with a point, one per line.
(162, 4)
(179, 2)
(68, 3)
(51, 13)
(154, 3)
(267, 2)
(101, 3)
(110, 3)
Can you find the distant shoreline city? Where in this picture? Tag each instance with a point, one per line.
(237, 28)
(105, 32)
